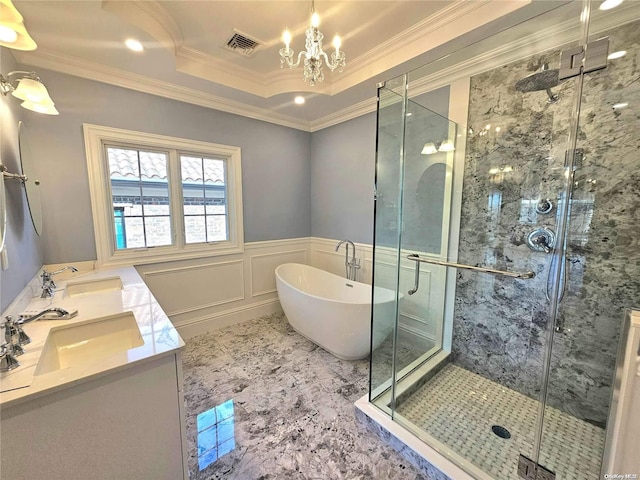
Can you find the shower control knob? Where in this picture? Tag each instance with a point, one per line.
(541, 240)
(544, 206)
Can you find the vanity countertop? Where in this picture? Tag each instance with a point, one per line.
(159, 337)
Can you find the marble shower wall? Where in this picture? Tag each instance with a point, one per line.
(515, 156)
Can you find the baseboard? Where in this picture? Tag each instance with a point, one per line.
(416, 332)
(229, 317)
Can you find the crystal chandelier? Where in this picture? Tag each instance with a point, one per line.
(314, 54)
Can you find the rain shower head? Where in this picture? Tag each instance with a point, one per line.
(543, 79)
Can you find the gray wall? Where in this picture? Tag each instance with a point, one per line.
(24, 248)
(342, 176)
(275, 160)
(295, 184)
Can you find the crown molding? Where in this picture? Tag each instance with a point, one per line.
(198, 64)
(433, 31)
(120, 78)
(149, 16)
(354, 111)
(451, 22)
(553, 37)
(543, 40)
(153, 18)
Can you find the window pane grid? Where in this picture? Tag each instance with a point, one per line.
(140, 197)
(204, 197)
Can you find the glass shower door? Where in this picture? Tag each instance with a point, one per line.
(428, 164)
(480, 403)
(601, 257)
(408, 331)
(478, 396)
(390, 114)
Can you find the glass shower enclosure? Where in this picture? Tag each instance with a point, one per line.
(506, 221)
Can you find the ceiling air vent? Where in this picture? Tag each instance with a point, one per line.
(242, 44)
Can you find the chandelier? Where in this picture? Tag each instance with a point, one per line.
(314, 54)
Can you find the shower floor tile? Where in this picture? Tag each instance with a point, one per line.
(263, 402)
(458, 408)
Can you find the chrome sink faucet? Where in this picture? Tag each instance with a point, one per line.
(15, 337)
(48, 285)
(7, 358)
(350, 266)
(61, 312)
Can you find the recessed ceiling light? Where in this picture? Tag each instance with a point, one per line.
(618, 54)
(299, 100)
(620, 105)
(609, 4)
(133, 44)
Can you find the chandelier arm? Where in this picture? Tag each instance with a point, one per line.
(326, 60)
(26, 74)
(299, 58)
(287, 58)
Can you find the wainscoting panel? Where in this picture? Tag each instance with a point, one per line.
(263, 266)
(189, 288)
(422, 312)
(206, 294)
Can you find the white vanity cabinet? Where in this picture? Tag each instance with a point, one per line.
(97, 396)
(127, 424)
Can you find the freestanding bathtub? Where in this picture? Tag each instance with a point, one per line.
(331, 311)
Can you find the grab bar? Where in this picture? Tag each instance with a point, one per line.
(416, 258)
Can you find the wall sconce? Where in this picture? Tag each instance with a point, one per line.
(443, 146)
(30, 90)
(13, 33)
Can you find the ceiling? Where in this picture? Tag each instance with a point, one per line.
(185, 58)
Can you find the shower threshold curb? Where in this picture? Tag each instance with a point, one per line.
(434, 464)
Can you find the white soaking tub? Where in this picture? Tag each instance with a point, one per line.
(331, 311)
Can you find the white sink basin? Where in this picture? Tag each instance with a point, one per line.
(93, 286)
(85, 342)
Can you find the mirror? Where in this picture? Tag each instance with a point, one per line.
(32, 185)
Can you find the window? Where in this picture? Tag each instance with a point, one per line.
(157, 198)
(204, 199)
(140, 195)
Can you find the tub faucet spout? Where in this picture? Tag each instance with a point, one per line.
(350, 266)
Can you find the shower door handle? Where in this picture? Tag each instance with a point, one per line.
(416, 258)
(417, 280)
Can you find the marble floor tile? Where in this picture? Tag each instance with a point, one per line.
(292, 409)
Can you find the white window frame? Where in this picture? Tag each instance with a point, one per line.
(95, 139)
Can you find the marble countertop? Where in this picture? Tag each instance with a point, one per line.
(158, 334)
